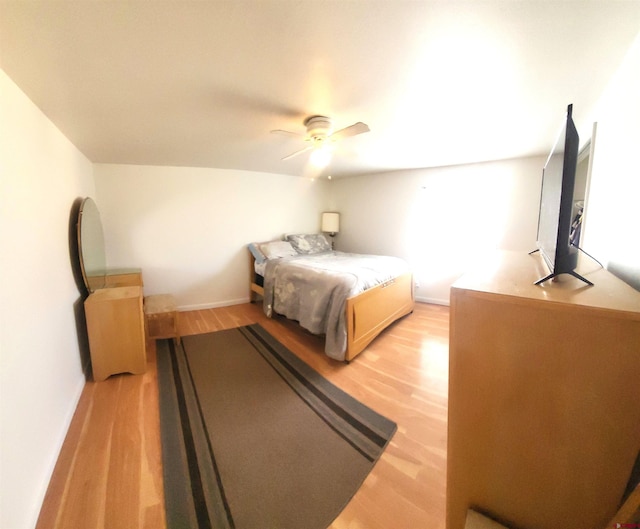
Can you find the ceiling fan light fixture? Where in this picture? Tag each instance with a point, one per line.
(321, 156)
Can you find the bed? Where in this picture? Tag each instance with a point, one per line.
(348, 298)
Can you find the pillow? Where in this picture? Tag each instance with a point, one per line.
(309, 243)
(275, 249)
(257, 254)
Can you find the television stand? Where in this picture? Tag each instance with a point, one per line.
(573, 273)
(554, 274)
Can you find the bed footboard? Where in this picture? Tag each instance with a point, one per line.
(372, 311)
(255, 290)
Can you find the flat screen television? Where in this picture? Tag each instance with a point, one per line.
(556, 204)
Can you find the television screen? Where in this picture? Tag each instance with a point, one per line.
(550, 200)
(556, 203)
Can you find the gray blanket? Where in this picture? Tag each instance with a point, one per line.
(313, 290)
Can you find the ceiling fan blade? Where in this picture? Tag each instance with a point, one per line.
(352, 130)
(286, 133)
(297, 153)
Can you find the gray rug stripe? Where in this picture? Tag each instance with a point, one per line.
(194, 496)
(179, 504)
(366, 430)
(240, 451)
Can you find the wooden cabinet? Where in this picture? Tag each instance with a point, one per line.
(544, 408)
(123, 278)
(115, 324)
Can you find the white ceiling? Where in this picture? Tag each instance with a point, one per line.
(202, 83)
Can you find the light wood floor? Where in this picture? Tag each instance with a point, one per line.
(109, 473)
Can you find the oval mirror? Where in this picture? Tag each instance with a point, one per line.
(93, 262)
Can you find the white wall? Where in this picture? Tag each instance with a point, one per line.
(612, 220)
(41, 175)
(188, 228)
(441, 220)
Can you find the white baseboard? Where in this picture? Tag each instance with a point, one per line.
(433, 301)
(214, 305)
(57, 448)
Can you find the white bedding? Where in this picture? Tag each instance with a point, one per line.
(260, 268)
(313, 290)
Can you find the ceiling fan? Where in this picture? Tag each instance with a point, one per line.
(320, 135)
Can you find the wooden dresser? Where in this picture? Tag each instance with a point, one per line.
(115, 325)
(544, 407)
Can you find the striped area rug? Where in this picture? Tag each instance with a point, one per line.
(254, 438)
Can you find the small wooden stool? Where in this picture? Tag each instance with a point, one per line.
(161, 317)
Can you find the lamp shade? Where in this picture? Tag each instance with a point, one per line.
(330, 222)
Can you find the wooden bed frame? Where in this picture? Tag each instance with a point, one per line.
(367, 313)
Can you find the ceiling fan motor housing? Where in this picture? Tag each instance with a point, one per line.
(318, 127)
